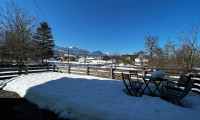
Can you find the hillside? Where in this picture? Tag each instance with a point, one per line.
(76, 51)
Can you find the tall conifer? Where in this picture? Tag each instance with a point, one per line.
(44, 41)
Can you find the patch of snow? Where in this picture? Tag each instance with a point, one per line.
(107, 53)
(71, 47)
(158, 74)
(92, 98)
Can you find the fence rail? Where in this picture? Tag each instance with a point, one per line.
(10, 71)
(116, 73)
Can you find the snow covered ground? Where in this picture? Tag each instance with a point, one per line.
(92, 98)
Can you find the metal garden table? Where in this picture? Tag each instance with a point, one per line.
(156, 82)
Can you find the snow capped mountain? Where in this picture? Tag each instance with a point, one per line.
(76, 51)
(97, 53)
(107, 53)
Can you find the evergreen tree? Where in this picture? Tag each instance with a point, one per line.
(44, 41)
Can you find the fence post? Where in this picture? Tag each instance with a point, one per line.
(47, 67)
(111, 73)
(87, 71)
(144, 73)
(68, 69)
(54, 67)
(20, 70)
(26, 70)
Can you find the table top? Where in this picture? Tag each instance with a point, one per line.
(153, 78)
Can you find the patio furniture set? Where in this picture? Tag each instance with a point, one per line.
(172, 91)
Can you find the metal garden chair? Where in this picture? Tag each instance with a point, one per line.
(133, 87)
(177, 93)
(180, 84)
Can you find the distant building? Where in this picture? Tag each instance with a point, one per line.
(130, 57)
(84, 60)
(57, 57)
(65, 57)
(141, 62)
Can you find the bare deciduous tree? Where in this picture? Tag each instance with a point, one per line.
(151, 44)
(142, 57)
(187, 51)
(19, 26)
(106, 58)
(115, 59)
(182, 54)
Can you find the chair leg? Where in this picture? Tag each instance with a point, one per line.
(129, 92)
(177, 103)
(180, 104)
(135, 93)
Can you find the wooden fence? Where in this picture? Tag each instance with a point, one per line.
(10, 71)
(116, 73)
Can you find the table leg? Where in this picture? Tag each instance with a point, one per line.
(162, 88)
(146, 82)
(157, 85)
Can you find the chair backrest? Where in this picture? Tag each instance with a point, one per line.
(183, 80)
(125, 76)
(126, 79)
(186, 90)
(133, 72)
(131, 87)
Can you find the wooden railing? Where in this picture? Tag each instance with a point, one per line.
(10, 71)
(116, 73)
(99, 72)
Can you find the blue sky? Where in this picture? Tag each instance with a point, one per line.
(114, 26)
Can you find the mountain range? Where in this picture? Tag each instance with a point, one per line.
(76, 51)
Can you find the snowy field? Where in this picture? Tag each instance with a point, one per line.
(92, 98)
(97, 64)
